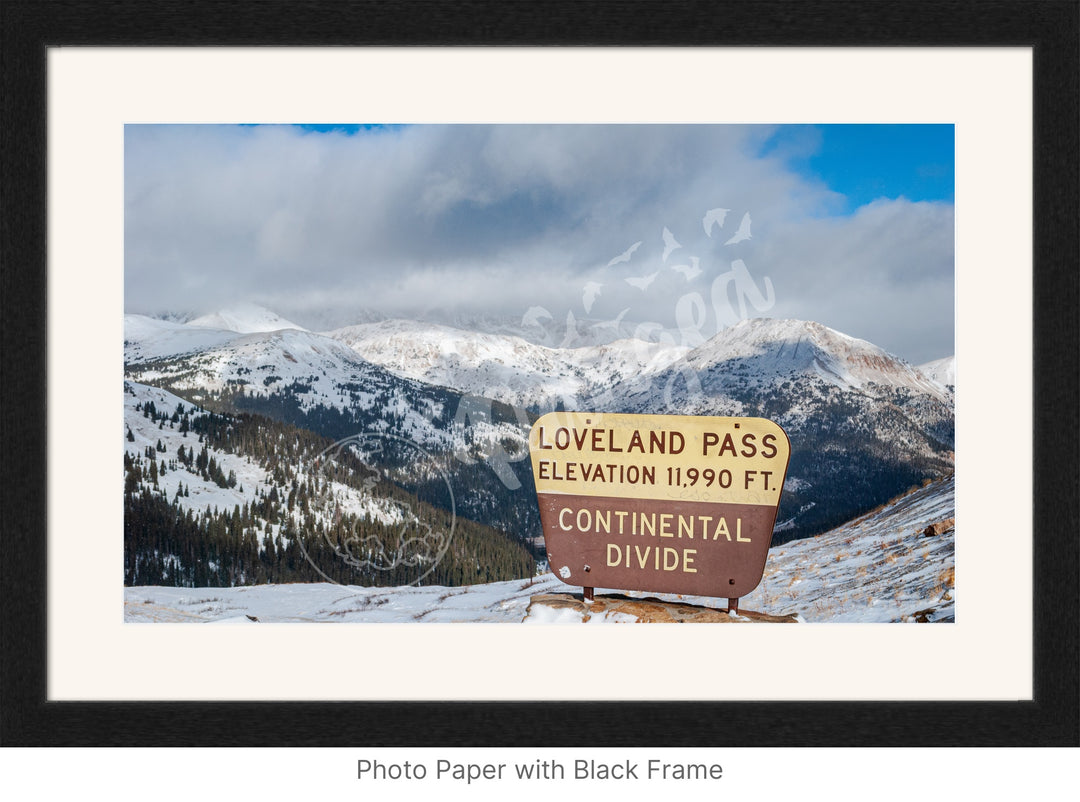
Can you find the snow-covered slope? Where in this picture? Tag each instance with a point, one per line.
(245, 318)
(504, 367)
(271, 359)
(147, 434)
(147, 339)
(164, 439)
(153, 338)
(212, 499)
(942, 371)
(313, 369)
(878, 568)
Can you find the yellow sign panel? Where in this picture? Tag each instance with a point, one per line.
(676, 457)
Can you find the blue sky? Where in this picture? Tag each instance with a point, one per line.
(866, 162)
(348, 129)
(851, 225)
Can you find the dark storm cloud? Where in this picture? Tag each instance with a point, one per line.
(498, 219)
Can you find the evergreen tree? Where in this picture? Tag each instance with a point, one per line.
(166, 544)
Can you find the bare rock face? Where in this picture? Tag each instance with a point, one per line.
(940, 528)
(567, 607)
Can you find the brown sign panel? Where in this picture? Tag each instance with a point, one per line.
(662, 503)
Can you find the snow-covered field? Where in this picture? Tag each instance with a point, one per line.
(495, 602)
(878, 568)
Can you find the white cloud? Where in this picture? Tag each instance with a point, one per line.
(496, 219)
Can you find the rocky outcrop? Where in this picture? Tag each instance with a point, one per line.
(565, 607)
(940, 527)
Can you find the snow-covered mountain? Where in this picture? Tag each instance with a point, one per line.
(852, 409)
(315, 382)
(504, 367)
(864, 424)
(942, 371)
(792, 362)
(776, 350)
(147, 339)
(765, 352)
(314, 370)
(245, 318)
(791, 370)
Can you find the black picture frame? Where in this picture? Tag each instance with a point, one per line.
(1052, 29)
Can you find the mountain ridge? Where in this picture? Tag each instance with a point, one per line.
(864, 423)
(245, 318)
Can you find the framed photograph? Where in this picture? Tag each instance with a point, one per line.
(330, 289)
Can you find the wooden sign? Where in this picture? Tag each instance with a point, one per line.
(662, 503)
